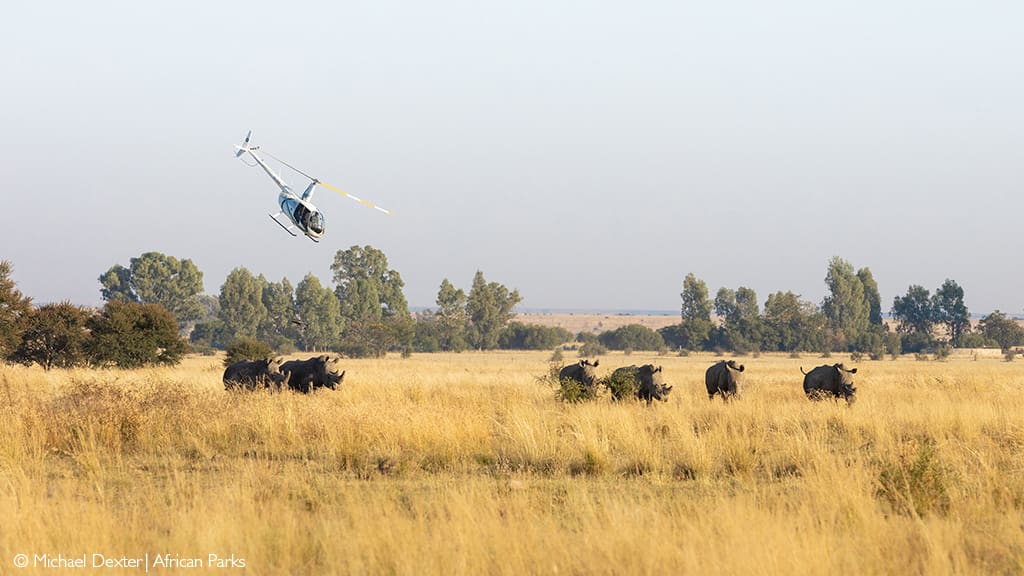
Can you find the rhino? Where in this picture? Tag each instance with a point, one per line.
(723, 378)
(308, 375)
(582, 372)
(644, 382)
(253, 374)
(835, 381)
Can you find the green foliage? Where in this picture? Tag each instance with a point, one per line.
(489, 308)
(133, 335)
(573, 392)
(622, 384)
(452, 317)
(846, 307)
(1002, 330)
(976, 340)
(280, 327)
(241, 304)
(792, 324)
(519, 336)
(55, 336)
(696, 322)
(319, 315)
(871, 297)
(632, 337)
(948, 308)
(155, 278)
(14, 311)
(592, 349)
(914, 311)
(247, 349)
(427, 333)
(365, 287)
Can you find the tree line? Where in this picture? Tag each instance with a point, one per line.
(155, 311)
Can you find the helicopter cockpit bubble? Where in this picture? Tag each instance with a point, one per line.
(315, 223)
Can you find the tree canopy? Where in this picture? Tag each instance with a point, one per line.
(155, 278)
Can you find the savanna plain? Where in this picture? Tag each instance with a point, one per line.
(468, 464)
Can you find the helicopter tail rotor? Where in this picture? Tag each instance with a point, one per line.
(239, 150)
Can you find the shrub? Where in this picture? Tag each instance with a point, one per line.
(591, 349)
(247, 349)
(572, 391)
(132, 335)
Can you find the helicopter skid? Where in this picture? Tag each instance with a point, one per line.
(287, 228)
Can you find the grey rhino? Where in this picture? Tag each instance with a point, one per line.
(723, 378)
(582, 372)
(253, 374)
(643, 382)
(835, 381)
(308, 375)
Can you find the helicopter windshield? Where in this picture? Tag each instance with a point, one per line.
(315, 223)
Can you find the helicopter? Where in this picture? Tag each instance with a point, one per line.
(302, 215)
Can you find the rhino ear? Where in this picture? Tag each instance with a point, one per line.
(741, 368)
(596, 362)
(854, 371)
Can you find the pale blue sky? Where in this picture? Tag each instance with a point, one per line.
(589, 154)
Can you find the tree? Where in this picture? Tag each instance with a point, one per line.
(55, 337)
(696, 313)
(1006, 331)
(914, 311)
(489, 308)
(451, 317)
(948, 308)
(373, 306)
(14, 311)
(133, 335)
(871, 297)
(845, 307)
(365, 287)
(155, 278)
(519, 336)
(241, 304)
(742, 327)
(792, 324)
(632, 337)
(279, 327)
(320, 314)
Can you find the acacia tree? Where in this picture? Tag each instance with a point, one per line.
(948, 308)
(14, 310)
(489, 308)
(155, 278)
(55, 337)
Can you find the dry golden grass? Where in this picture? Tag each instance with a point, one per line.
(466, 464)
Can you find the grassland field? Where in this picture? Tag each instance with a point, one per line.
(467, 464)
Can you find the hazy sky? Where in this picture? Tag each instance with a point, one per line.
(590, 154)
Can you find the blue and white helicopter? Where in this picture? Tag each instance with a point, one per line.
(302, 215)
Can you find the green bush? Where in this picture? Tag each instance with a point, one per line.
(247, 349)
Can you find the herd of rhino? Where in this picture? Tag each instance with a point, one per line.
(722, 378)
(644, 382)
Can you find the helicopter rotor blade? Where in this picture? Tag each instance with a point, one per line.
(357, 199)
